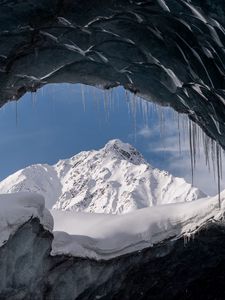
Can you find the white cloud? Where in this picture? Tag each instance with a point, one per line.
(145, 132)
(170, 143)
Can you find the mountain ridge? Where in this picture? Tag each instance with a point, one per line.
(115, 179)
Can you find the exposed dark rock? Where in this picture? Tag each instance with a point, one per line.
(170, 270)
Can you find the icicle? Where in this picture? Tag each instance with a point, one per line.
(139, 104)
(162, 126)
(218, 172)
(134, 115)
(178, 127)
(213, 156)
(106, 105)
(221, 162)
(33, 99)
(184, 123)
(194, 142)
(16, 114)
(95, 99)
(117, 98)
(128, 104)
(191, 152)
(83, 97)
(144, 112)
(112, 100)
(197, 141)
(160, 121)
(206, 150)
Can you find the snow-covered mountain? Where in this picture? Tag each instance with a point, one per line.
(114, 179)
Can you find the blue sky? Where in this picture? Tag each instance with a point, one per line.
(62, 120)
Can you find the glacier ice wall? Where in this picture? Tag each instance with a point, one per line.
(170, 270)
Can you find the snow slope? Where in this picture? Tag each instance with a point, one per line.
(104, 236)
(115, 179)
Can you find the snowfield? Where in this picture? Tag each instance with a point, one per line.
(115, 179)
(104, 236)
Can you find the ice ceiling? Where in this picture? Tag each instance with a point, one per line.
(167, 51)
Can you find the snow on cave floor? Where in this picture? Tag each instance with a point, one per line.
(104, 236)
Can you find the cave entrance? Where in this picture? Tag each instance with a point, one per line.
(60, 120)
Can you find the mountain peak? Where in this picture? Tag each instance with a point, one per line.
(124, 151)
